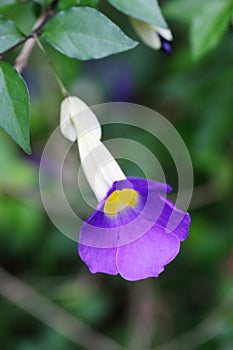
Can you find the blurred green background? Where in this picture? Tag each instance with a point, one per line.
(190, 306)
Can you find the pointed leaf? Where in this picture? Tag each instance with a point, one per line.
(146, 10)
(14, 106)
(209, 26)
(9, 34)
(85, 33)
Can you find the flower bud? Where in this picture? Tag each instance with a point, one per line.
(77, 119)
(78, 122)
(153, 36)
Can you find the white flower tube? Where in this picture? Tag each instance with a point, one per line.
(78, 122)
(150, 34)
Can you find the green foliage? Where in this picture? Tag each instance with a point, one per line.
(183, 10)
(64, 4)
(18, 178)
(209, 25)
(19, 174)
(9, 34)
(147, 11)
(208, 21)
(85, 33)
(14, 97)
(43, 2)
(6, 3)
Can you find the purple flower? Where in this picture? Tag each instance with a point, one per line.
(135, 230)
(134, 219)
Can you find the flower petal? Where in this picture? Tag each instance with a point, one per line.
(155, 207)
(101, 231)
(165, 33)
(76, 118)
(147, 33)
(147, 256)
(144, 185)
(99, 259)
(107, 231)
(174, 220)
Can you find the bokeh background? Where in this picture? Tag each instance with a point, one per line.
(49, 300)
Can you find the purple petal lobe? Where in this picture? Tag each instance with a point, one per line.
(143, 185)
(111, 236)
(174, 219)
(147, 256)
(99, 259)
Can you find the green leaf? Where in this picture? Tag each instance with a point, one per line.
(208, 26)
(14, 106)
(6, 3)
(20, 174)
(144, 10)
(9, 34)
(85, 33)
(64, 4)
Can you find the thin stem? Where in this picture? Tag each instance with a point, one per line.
(22, 59)
(63, 89)
(21, 42)
(29, 41)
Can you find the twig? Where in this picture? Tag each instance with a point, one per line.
(52, 315)
(142, 316)
(22, 60)
(30, 40)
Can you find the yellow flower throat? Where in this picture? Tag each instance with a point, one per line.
(119, 200)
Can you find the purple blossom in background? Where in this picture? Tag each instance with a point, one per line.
(116, 76)
(147, 255)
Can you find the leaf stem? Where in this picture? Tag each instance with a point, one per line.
(29, 41)
(63, 89)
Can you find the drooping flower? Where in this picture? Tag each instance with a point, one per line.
(153, 36)
(135, 230)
